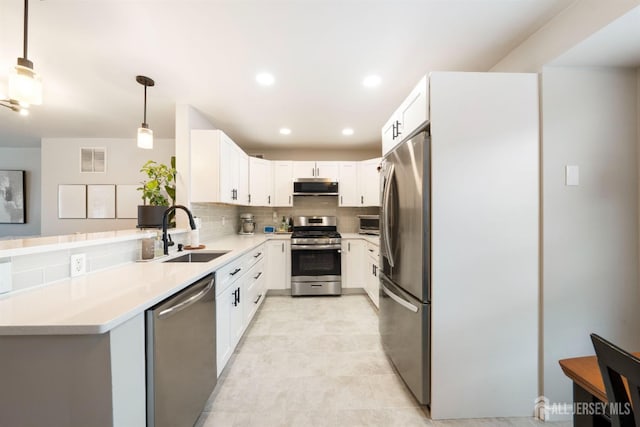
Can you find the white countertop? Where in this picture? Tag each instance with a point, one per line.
(368, 237)
(97, 302)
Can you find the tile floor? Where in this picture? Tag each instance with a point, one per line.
(318, 362)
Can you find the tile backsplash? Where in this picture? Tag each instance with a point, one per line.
(214, 226)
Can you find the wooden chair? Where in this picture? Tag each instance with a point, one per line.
(616, 363)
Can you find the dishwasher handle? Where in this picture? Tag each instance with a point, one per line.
(187, 302)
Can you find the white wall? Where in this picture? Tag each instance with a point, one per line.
(187, 118)
(574, 24)
(590, 232)
(485, 243)
(27, 159)
(61, 165)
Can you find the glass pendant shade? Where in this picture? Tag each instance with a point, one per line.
(25, 86)
(145, 137)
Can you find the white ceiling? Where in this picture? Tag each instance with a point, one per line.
(206, 53)
(616, 45)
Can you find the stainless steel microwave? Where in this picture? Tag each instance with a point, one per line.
(315, 187)
(369, 224)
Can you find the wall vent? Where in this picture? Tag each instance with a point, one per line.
(93, 159)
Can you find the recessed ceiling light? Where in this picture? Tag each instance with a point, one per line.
(347, 131)
(371, 81)
(285, 131)
(265, 79)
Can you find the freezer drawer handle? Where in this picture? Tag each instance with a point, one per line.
(399, 300)
(184, 304)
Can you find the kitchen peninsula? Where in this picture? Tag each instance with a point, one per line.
(72, 351)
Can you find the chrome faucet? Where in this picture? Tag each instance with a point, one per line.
(165, 239)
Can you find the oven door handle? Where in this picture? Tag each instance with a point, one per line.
(314, 247)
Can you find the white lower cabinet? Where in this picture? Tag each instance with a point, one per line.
(278, 264)
(353, 260)
(372, 285)
(254, 287)
(360, 267)
(238, 285)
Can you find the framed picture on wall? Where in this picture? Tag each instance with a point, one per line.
(12, 207)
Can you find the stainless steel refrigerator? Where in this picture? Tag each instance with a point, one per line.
(404, 318)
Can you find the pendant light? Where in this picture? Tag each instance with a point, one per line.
(25, 86)
(145, 135)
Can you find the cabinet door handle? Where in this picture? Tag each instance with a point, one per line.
(282, 246)
(317, 171)
(313, 171)
(235, 271)
(362, 200)
(258, 276)
(289, 199)
(238, 291)
(341, 200)
(349, 246)
(268, 200)
(249, 198)
(258, 299)
(370, 250)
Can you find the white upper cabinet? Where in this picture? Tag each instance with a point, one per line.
(348, 184)
(369, 182)
(311, 169)
(304, 169)
(219, 169)
(327, 170)
(242, 176)
(260, 182)
(413, 112)
(359, 183)
(283, 182)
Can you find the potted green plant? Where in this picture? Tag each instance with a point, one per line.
(158, 193)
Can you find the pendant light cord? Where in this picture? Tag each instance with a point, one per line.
(145, 103)
(26, 23)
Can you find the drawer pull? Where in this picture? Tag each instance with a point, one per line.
(236, 271)
(258, 299)
(259, 274)
(257, 255)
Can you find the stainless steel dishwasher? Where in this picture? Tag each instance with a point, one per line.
(181, 355)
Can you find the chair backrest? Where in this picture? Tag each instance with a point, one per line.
(616, 363)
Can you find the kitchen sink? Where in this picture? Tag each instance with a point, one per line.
(197, 257)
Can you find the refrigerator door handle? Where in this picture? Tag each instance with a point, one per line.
(385, 215)
(406, 304)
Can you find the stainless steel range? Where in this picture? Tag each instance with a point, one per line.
(316, 266)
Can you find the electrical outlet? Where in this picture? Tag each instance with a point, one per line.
(78, 264)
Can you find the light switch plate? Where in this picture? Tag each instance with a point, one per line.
(572, 175)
